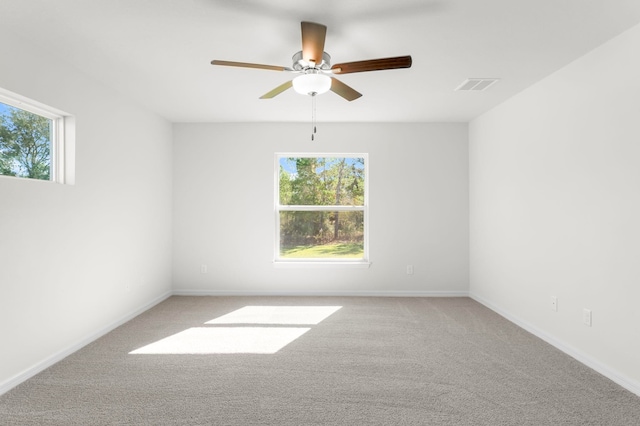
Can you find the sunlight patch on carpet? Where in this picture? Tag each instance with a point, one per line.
(276, 331)
(224, 340)
(284, 315)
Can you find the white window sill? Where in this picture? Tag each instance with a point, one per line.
(288, 264)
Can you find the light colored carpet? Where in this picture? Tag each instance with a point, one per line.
(375, 361)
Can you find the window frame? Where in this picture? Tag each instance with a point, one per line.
(61, 138)
(363, 262)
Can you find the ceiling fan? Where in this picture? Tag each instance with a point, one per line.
(314, 67)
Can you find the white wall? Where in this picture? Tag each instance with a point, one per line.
(555, 207)
(68, 252)
(223, 208)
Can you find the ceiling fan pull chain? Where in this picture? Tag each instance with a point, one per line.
(313, 117)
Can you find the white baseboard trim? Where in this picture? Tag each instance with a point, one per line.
(608, 372)
(60, 355)
(223, 293)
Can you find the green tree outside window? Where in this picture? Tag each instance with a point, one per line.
(25, 143)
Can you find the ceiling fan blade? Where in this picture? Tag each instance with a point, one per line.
(249, 65)
(373, 65)
(313, 36)
(275, 92)
(343, 90)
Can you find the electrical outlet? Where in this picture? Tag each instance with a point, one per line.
(409, 269)
(203, 269)
(586, 317)
(554, 303)
(127, 287)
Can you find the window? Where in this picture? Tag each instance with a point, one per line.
(321, 208)
(32, 140)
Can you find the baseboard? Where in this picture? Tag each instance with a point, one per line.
(323, 293)
(58, 356)
(625, 382)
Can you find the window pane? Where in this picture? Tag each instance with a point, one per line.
(322, 181)
(312, 234)
(25, 143)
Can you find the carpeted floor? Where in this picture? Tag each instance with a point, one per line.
(374, 361)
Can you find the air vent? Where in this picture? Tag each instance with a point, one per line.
(477, 84)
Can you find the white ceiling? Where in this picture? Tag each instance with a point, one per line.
(158, 52)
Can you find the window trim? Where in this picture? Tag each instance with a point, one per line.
(320, 262)
(62, 137)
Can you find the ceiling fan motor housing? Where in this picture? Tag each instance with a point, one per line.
(299, 64)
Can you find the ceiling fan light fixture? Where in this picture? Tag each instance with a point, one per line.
(312, 84)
